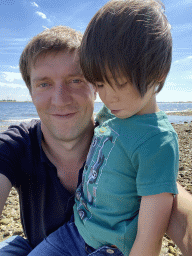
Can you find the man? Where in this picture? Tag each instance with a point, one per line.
(44, 159)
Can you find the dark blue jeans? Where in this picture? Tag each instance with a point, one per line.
(66, 241)
(15, 246)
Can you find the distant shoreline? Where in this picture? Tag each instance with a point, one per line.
(97, 101)
(175, 102)
(14, 101)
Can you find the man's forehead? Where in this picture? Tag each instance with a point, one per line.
(74, 56)
(44, 64)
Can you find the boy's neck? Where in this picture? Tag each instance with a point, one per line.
(150, 107)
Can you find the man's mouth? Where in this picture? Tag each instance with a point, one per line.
(64, 115)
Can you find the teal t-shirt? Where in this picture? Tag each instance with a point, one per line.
(128, 158)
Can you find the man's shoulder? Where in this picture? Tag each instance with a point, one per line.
(17, 146)
(22, 131)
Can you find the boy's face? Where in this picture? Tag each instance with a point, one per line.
(123, 99)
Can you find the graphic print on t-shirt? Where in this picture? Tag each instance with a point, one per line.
(100, 150)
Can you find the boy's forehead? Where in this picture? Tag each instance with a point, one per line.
(117, 76)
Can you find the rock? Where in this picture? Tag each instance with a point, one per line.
(171, 250)
(18, 232)
(10, 221)
(7, 233)
(189, 187)
(5, 221)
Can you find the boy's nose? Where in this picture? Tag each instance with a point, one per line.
(111, 95)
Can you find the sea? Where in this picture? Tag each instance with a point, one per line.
(17, 112)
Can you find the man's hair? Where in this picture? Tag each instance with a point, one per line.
(130, 38)
(52, 40)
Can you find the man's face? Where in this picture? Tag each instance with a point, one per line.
(63, 98)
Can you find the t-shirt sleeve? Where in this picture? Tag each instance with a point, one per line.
(14, 144)
(157, 162)
(9, 164)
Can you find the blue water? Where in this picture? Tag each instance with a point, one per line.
(16, 112)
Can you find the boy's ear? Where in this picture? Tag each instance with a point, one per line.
(162, 78)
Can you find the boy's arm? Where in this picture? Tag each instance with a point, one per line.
(153, 220)
(180, 225)
(5, 187)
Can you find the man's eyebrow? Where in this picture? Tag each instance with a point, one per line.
(37, 79)
(40, 78)
(76, 74)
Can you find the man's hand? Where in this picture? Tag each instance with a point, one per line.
(5, 187)
(180, 225)
(153, 220)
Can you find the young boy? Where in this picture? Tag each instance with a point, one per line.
(124, 203)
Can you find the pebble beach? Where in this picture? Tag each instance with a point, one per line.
(10, 220)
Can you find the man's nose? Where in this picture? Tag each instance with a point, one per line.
(62, 95)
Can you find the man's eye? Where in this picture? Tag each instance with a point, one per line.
(44, 85)
(76, 81)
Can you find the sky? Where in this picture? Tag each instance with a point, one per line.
(20, 20)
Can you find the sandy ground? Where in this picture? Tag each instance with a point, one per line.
(10, 220)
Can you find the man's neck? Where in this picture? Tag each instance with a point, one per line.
(68, 156)
(61, 152)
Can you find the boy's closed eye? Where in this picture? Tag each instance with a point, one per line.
(99, 85)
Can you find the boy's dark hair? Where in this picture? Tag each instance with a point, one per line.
(53, 40)
(131, 38)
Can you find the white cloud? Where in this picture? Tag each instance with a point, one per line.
(11, 85)
(179, 87)
(178, 5)
(184, 60)
(174, 92)
(182, 27)
(34, 4)
(14, 67)
(16, 39)
(15, 93)
(20, 39)
(42, 15)
(11, 76)
(188, 77)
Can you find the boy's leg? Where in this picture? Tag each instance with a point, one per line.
(64, 241)
(15, 246)
(67, 241)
